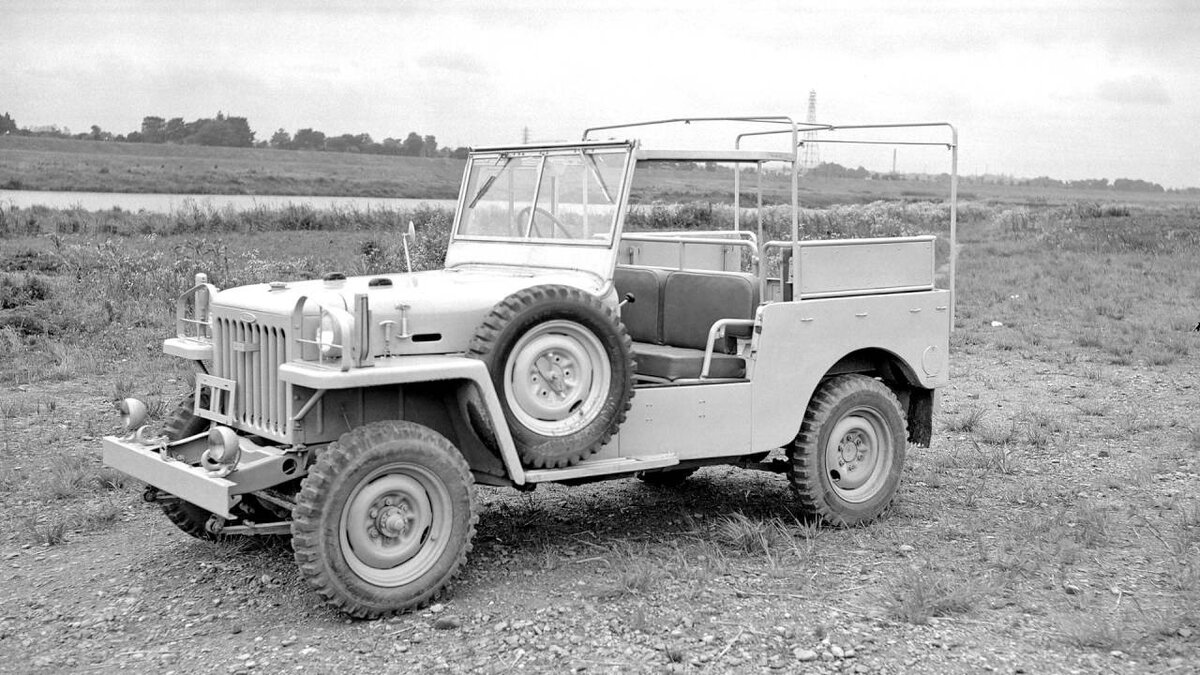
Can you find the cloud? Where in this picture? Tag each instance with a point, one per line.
(456, 62)
(1143, 89)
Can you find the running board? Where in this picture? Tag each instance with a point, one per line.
(602, 467)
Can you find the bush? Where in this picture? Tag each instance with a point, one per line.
(20, 290)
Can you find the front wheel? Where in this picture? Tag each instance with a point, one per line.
(190, 518)
(384, 519)
(846, 460)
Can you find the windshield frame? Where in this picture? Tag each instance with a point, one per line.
(503, 156)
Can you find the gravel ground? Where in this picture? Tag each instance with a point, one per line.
(623, 577)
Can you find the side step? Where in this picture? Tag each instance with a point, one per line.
(602, 467)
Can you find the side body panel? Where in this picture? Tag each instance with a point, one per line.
(691, 422)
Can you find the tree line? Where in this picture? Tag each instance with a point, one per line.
(235, 132)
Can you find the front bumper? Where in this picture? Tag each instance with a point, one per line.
(189, 483)
(261, 467)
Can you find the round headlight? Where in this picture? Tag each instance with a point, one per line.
(133, 413)
(223, 446)
(328, 337)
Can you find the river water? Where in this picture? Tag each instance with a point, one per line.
(166, 203)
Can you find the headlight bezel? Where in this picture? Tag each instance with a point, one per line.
(193, 314)
(324, 336)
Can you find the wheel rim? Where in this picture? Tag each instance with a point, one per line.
(396, 524)
(858, 455)
(557, 378)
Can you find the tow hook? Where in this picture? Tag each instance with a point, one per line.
(152, 495)
(215, 525)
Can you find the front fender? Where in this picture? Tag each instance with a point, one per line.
(416, 369)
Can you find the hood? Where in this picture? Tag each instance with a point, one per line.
(443, 307)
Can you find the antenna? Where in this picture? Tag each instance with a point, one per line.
(812, 154)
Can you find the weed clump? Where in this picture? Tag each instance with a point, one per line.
(924, 592)
(20, 290)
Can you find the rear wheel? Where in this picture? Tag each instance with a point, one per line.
(846, 460)
(384, 519)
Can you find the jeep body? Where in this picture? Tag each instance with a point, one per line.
(357, 414)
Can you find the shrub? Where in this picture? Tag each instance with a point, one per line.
(19, 290)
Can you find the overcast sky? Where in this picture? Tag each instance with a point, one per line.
(1069, 89)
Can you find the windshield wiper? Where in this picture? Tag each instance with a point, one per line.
(487, 184)
(599, 178)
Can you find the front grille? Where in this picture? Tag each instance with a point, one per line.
(250, 354)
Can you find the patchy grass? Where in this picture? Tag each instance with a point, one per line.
(926, 591)
(1065, 468)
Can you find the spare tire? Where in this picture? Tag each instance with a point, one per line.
(562, 365)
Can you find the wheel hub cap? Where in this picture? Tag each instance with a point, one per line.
(388, 521)
(857, 456)
(557, 377)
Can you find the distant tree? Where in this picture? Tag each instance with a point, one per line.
(460, 152)
(7, 124)
(343, 143)
(307, 139)
(154, 130)
(176, 130)
(413, 145)
(98, 134)
(1134, 185)
(240, 134)
(281, 139)
(429, 147)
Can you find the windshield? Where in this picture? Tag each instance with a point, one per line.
(564, 196)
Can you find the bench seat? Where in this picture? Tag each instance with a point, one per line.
(672, 314)
(677, 363)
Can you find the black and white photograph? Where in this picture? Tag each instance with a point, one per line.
(784, 336)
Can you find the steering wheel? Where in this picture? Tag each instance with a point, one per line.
(555, 222)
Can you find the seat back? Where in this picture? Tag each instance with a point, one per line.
(693, 301)
(643, 317)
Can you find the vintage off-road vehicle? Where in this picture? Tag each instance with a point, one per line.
(357, 415)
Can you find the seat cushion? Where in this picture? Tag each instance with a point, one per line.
(673, 363)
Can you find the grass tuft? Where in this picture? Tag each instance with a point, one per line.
(48, 534)
(966, 421)
(924, 592)
(756, 537)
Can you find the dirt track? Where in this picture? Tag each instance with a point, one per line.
(623, 577)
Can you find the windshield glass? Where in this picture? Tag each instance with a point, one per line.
(564, 196)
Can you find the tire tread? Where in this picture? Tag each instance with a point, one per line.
(803, 470)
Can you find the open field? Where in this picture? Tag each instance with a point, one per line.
(1053, 527)
(72, 165)
(61, 164)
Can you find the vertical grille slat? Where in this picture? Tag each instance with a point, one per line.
(250, 354)
(262, 379)
(239, 371)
